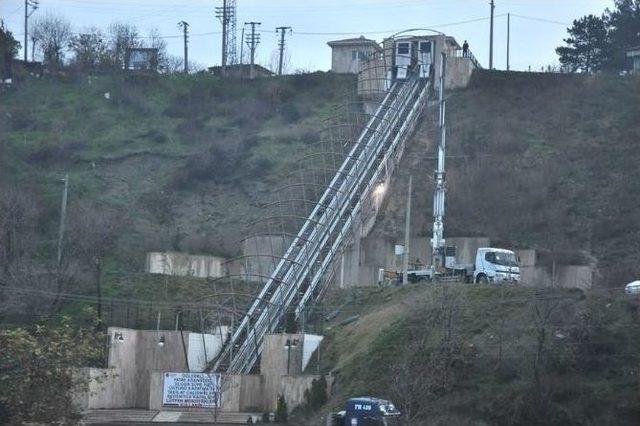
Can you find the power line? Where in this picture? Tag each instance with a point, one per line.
(548, 21)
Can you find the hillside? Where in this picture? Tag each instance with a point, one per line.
(155, 163)
(544, 161)
(455, 354)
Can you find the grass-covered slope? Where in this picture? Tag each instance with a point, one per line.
(544, 161)
(155, 163)
(455, 354)
(185, 160)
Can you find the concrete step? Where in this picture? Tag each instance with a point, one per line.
(137, 416)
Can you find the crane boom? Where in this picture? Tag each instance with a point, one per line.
(437, 241)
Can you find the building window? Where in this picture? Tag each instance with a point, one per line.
(425, 47)
(359, 54)
(403, 48)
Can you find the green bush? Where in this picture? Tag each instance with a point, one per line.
(282, 413)
(290, 113)
(316, 397)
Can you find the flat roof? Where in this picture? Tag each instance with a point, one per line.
(356, 41)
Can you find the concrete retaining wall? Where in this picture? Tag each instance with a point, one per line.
(105, 388)
(248, 393)
(459, 70)
(136, 355)
(533, 274)
(203, 348)
(278, 360)
(261, 254)
(180, 264)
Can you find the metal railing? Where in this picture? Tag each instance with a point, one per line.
(460, 54)
(298, 278)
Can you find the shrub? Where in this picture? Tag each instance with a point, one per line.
(282, 413)
(290, 113)
(219, 165)
(259, 167)
(277, 93)
(316, 397)
(38, 377)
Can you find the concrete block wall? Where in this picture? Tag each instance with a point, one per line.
(459, 72)
(248, 392)
(533, 274)
(181, 264)
(135, 356)
(276, 357)
(277, 360)
(291, 387)
(104, 388)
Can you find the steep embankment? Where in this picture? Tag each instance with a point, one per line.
(183, 162)
(537, 161)
(460, 354)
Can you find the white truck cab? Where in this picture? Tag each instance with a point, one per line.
(494, 265)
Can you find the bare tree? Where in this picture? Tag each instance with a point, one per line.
(18, 213)
(94, 232)
(410, 382)
(155, 41)
(122, 37)
(89, 48)
(172, 64)
(53, 33)
(435, 358)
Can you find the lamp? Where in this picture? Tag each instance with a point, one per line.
(379, 189)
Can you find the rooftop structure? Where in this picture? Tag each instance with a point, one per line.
(633, 56)
(348, 54)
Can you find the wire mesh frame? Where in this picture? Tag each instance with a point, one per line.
(341, 135)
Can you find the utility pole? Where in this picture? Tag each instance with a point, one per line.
(185, 31)
(242, 47)
(281, 46)
(493, 6)
(222, 14)
(63, 215)
(407, 227)
(252, 42)
(33, 4)
(508, 39)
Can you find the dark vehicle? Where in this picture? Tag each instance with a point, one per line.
(367, 411)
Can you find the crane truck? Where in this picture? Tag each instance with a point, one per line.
(492, 265)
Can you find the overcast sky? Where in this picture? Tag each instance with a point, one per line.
(537, 26)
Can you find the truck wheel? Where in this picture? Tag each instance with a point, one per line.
(482, 279)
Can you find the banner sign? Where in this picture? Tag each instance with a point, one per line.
(191, 390)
